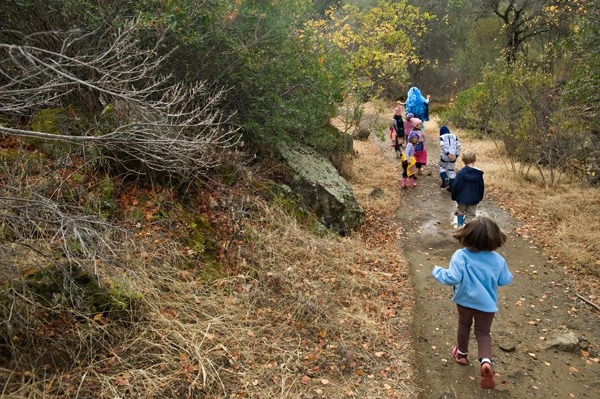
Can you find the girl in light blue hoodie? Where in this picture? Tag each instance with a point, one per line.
(476, 271)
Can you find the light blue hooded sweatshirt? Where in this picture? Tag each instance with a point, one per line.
(475, 277)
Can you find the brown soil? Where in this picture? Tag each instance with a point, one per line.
(534, 309)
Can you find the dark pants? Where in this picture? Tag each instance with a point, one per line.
(483, 325)
(404, 169)
(397, 144)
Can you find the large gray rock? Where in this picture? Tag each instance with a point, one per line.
(328, 194)
(566, 341)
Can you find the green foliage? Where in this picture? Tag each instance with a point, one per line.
(72, 286)
(330, 141)
(282, 81)
(581, 95)
(25, 162)
(102, 200)
(582, 91)
(281, 78)
(48, 120)
(376, 42)
(98, 200)
(200, 237)
(121, 296)
(136, 215)
(471, 109)
(479, 49)
(520, 107)
(69, 121)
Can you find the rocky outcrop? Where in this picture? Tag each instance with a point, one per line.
(328, 194)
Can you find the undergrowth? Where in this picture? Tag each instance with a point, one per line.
(272, 310)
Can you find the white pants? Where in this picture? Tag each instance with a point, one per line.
(447, 167)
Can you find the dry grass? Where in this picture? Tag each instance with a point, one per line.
(290, 315)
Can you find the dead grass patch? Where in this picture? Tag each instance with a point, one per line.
(291, 315)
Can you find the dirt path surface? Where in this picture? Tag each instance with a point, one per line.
(537, 308)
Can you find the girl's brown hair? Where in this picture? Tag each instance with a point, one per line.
(481, 234)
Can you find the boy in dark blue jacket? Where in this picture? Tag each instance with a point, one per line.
(467, 189)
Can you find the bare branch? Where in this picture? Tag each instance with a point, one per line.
(83, 238)
(167, 127)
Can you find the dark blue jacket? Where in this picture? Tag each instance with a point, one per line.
(468, 186)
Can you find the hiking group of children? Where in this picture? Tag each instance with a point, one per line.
(475, 271)
(466, 187)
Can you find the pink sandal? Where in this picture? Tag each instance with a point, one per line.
(487, 376)
(459, 357)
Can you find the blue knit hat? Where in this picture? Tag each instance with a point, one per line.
(444, 130)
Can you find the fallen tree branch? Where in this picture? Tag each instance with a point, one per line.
(588, 301)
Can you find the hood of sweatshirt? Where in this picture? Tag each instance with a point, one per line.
(472, 174)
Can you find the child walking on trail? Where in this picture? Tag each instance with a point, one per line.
(420, 151)
(397, 138)
(468, 187)
(399, 111)
(409, 162)
(408, 127)
(475, 272)
(450, 150)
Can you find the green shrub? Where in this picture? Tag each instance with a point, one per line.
(471, 110)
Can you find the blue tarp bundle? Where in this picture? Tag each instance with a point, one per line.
(416, 104)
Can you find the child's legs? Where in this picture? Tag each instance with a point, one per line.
(451, 171)
(442, 167)
(468, 210)
(404, 169)
(483, 326)
(471, 211)
(465, 321)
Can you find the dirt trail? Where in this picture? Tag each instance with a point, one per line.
(537, 307)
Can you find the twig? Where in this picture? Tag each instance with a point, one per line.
(587, 301)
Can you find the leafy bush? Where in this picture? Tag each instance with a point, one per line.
(471, 109)
(519, 106)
